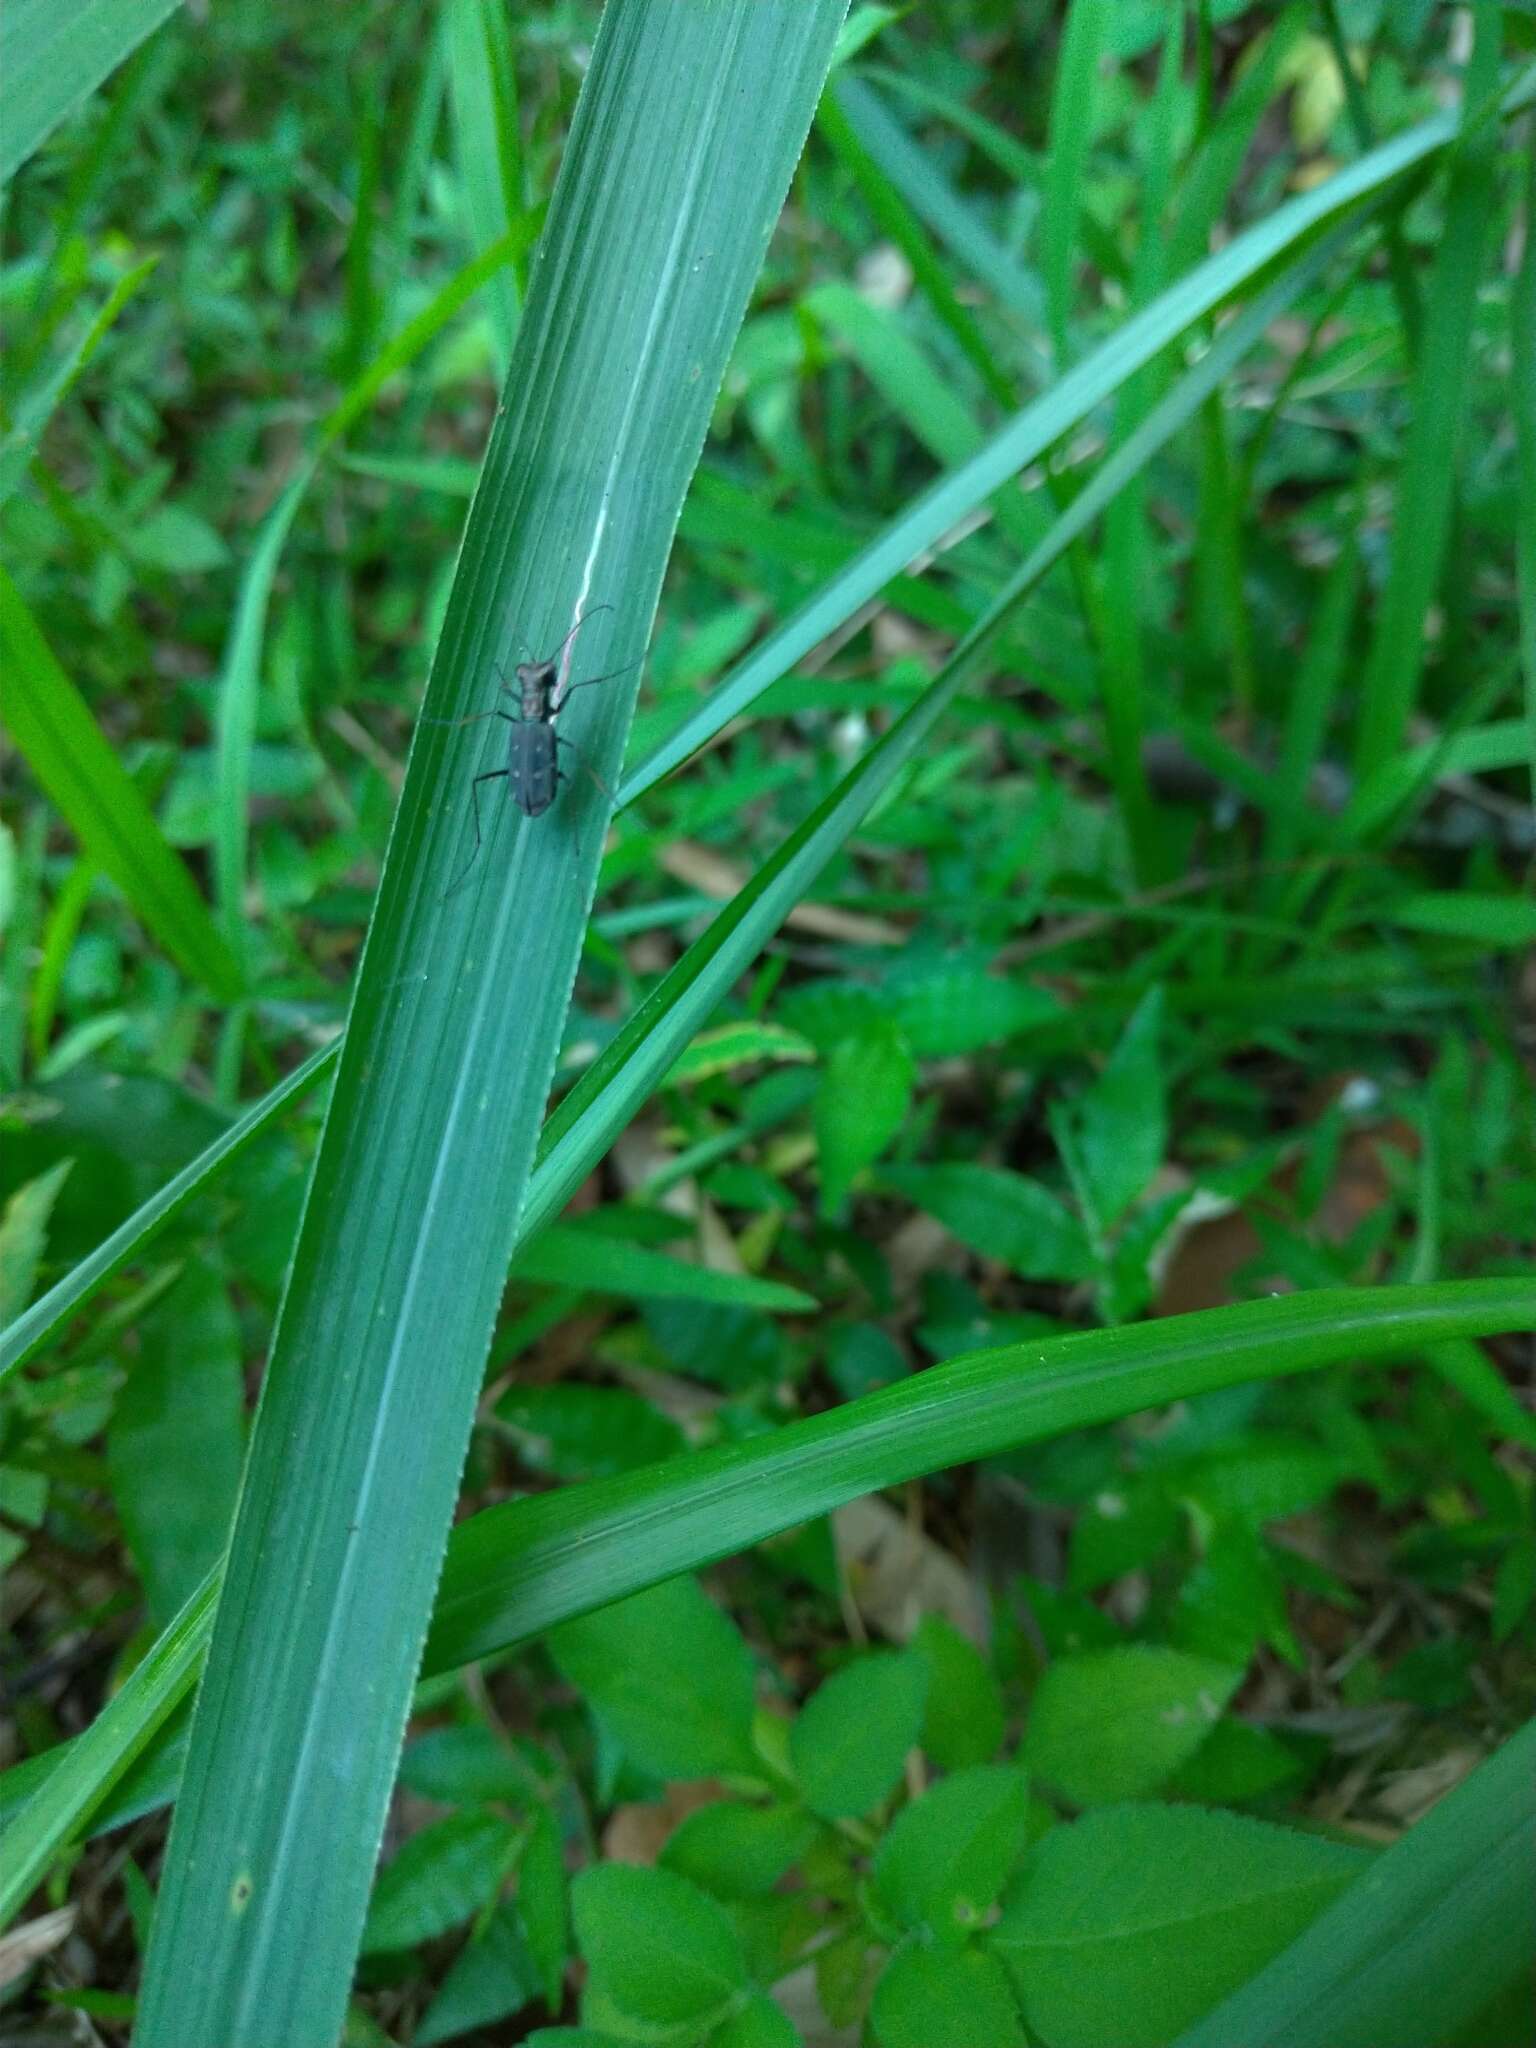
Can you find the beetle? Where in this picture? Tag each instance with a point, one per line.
(532, 773)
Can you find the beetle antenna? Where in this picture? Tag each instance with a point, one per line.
(577, 628)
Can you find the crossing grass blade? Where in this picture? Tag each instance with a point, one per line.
(1413, 1951)
(656, 232)
(1022, 439)
(514, 1571)
(38, 1325)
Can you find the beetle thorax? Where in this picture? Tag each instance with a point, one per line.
(536, 688)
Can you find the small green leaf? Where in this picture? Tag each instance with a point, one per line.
(581, 1432)
(1122, 1122)
(738, 1852)
(1130, 1923)
(671, 1677)
(23, 1236)
(945, 1998)
(1112, 1724)
(761, 2024)
(464, 1765)
(543, 1899)
(567, 1257)
(441, 1877)
(1001, 1215)
(850, 1740)
(963, 1721)
(945, 1858)
(490, 1978)
(863, 1101)
(656, 1947)
(177, 1439)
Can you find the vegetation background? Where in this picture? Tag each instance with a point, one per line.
(1043, 1180)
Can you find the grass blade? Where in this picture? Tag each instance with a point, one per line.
(1427, 488)
(1414, 1950)
(51, 57)
(655, 236)
(52, 725)
(38, 1325)
(512, 1572)
(1030, 432)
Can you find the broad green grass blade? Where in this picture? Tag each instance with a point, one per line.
(656, 232)
(52, 726)
(38, 1325)
(523, 1566)
(1412, 1951)
(1427, 483)
(1030, 432)
(51, 57)
(514, 1571)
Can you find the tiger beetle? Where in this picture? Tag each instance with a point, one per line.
(533, 775)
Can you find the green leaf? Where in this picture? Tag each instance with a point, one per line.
(177, 1439)
(543, 1900)
(945, 1998)
(738, 1852)
(24, 1236)
(1412, 1950)
(654, 237)
(52, 57)
(1122, 1121)
(1133, 1921)
(1112, 1724)
(758, 2024)
(864, 1098)
(582, 1432)
(1001, 1215)
(490, 1978)
(1507, 923)
(670, 1676)
(464, 1765)
(963, 1720)
(569, 1257)
(53, 727)
(442, 1876)
(656, 1947)
(849, 1742)
(945, 1858)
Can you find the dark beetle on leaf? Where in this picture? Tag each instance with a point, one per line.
(533, 775)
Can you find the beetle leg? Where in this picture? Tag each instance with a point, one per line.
(490, 775)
